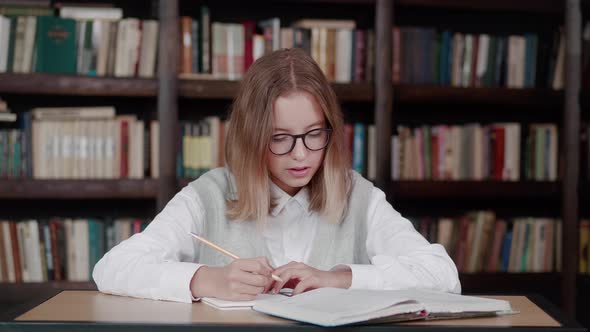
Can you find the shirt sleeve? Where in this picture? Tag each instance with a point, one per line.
(401, 257)
(156, 263)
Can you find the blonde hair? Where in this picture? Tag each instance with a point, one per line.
(250, 129)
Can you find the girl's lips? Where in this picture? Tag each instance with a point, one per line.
(299, 172)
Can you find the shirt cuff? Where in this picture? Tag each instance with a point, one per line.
(176, 281)
(364, 276)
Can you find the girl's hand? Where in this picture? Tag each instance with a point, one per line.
(302, 278)
(240, 280)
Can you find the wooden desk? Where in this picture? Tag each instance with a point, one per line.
(76, 310)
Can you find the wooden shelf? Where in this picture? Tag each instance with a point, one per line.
(224, 89)
(78, 285)
(70, 85)
(525, 6)
(181, 183)
(77, 189)
(508, 282)
(474, 189)
(584, 279)
(530, 98)
(15, 294)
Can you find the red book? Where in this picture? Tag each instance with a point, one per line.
(186, 50)
(461, 246)
(494, 255)
(396, 61)
(136, 226)
(498, 151)
(124, 149)
(249, 30)
(53, 224)
(15, 253)
(360, 52)
(434, 153)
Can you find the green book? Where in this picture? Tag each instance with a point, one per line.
(11, 41)
(56, 45)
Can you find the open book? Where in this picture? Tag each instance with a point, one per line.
(335, 306)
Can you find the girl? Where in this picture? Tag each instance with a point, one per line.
(288, 198)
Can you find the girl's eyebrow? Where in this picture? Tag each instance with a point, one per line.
(311, 125)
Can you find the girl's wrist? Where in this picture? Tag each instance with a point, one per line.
(342, 279)
(202, 282)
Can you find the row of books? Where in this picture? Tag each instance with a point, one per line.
(59, 248)
(428, 56)
(481, 242)
(474, 152)
(51, 44)
(201, 147)
(79, 143)
(344, 53)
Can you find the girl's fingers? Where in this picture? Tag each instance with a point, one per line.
(289, 265)
(309, 283)
(288, 275)
(248, 289)
(253, 279)
(253, 265)
(264, 261)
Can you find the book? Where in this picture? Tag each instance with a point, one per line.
(335, 306)
(56, 45)
(240, 305)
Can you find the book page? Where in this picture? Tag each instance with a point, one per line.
(438, 302)
(335, 306)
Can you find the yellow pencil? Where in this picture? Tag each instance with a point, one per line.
(220, 249)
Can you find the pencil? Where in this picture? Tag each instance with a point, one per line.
(220, 249)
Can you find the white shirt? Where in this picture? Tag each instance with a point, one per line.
(158, 263)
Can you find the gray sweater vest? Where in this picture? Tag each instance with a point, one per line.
(343, 243)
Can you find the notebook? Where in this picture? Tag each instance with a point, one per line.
(335, 306)
(238, 305)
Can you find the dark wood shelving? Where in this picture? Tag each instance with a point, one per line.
(224, 89)
(71, 85)
(15, 294)
(474, 189)
(181, 183)
(508, 282)
(524, 6)
(22, 286)
(77, 189)
(531, 98)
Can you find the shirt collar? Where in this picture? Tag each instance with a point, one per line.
(281, 198)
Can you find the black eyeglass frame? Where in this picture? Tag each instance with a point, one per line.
(302, 136)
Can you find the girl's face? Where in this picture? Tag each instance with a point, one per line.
(296, 113)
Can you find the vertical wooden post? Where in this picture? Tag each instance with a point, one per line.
(383, 90)
(167, 98)
(571, 154)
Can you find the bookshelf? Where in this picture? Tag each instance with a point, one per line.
(388, 103)
(531, 99)
(474, 189)
(27, 189)
(223, 89)
(69, 85)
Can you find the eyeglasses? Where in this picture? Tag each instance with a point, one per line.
(313, 140)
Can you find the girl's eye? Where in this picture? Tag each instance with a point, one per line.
(315, 133)
(279, 138)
